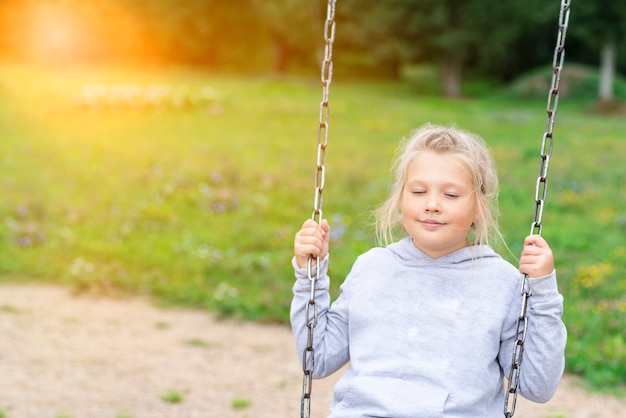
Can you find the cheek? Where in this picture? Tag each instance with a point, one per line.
(408, 207)
(406, 215)
(404, 205)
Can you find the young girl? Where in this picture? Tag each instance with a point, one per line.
(428, 323)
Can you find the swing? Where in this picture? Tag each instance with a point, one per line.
(322, 142)
(541, 189)
(536, 226)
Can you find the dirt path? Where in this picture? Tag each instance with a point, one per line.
(88, 357)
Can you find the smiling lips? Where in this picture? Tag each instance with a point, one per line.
(431, 223)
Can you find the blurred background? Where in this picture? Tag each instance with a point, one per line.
(167, 148)
(492, 40)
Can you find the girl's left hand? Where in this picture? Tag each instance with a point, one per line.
(537, 259)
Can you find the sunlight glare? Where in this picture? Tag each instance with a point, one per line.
(47, 31)
(54, 32)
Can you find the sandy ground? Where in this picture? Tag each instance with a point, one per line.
(90, 357)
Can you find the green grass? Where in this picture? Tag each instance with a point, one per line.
(240, 403)
(197, 342)
(172, 397)
(198, 207)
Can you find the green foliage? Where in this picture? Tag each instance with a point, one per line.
(374, 37)
(597, 22)
(198, 206)
(398, 32)
(240, 403)
(597, 343)
(172, 397)
(197, 342)
(578, 82)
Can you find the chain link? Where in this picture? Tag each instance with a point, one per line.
(541, 189)
(320, 174)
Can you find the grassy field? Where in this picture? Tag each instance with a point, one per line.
(197, 205)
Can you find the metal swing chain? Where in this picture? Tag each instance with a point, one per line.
(320, 172)
(540, 197)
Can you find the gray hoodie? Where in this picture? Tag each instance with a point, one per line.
(430, 337)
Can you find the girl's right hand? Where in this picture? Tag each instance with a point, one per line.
(311, 240)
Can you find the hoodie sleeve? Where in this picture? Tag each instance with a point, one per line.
(330, 334)
(543, 358)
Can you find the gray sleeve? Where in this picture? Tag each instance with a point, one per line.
(330, 333)
(543, 359)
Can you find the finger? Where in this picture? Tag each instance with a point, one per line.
(536, 240)
(305, 249)
(309, 228)
(532, 251)
(314, 238)
(536, 265)
(309, 223)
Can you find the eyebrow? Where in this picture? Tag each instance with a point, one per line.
(445, 184)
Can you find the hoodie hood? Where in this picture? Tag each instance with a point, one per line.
(409, 253)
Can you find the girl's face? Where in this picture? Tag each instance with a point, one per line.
(438, 203)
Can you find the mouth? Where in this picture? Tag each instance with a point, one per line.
(431, 223)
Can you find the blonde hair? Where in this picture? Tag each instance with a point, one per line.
(472, 150)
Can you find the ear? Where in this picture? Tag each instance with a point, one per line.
(476, 214)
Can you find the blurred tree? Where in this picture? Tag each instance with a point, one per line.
(241, 34)
(534, 45)
(495, 39)
(450, 33)
(294, 27)
(600, 25)
(199, 32)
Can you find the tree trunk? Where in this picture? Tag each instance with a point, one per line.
(452, 78)
(607, 72)
(281, 54)
(317, 28)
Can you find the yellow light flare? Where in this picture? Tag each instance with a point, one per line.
(54, 33)
(47, 31)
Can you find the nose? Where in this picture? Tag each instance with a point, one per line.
(432, 204)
